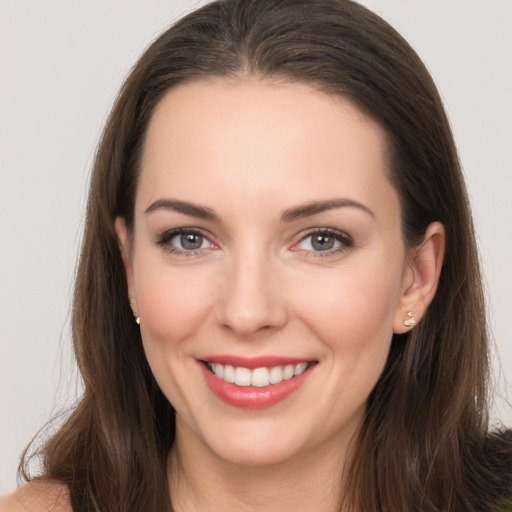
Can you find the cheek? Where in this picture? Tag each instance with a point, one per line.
(172, 303)
(358, 298)
(352, 312)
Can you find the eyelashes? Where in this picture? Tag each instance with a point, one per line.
(318, 242)
(322, 242)
(187, 242)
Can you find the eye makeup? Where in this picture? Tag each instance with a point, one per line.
(185, 241)
(316, 242)
(323, 242)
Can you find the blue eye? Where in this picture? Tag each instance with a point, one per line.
(184, 241)
(190, 241)
(325, 241)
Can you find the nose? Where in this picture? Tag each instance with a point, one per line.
(252, 298)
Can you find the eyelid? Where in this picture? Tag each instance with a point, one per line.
(163, 240)
(346, 241)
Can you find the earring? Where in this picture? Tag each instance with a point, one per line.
(410, 320)
(137, 320)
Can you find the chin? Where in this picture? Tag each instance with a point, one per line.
(253, 443)
(255, 455)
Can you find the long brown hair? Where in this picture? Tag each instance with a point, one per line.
(424, 444)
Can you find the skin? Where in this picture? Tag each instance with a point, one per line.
(248, 151)
(37, 496)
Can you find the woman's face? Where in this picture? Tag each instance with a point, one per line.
(267, 244)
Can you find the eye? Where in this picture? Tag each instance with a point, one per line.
(184, 241)
(327, 241)
(190, 241)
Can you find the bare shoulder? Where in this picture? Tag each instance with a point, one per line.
(40, 496)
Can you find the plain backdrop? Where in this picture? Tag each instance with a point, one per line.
(61, 64)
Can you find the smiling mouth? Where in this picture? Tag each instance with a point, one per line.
(257, 377)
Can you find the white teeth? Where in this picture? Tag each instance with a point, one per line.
(276, 375)
(288, 371)
(218, 369)
(300, 368)
(259, 377)
(229, 373)
(242, 376)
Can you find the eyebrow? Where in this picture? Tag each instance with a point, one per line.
(314, 207)
(184, 207)
(289, 215)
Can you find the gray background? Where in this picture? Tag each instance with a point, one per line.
(61, 64)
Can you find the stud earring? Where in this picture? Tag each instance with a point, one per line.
(410, 320)
(137, 320)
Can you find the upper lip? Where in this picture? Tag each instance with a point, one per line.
(255, 362)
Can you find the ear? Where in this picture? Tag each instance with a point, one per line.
(124, 247)
(421, 278)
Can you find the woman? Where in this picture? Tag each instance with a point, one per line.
(278, 203)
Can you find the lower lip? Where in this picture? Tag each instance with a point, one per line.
(251, 397)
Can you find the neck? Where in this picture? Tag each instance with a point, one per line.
(201, 481)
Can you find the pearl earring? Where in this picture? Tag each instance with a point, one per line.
(410, 320)
(137, 320)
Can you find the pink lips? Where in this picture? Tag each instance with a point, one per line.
(251, 397)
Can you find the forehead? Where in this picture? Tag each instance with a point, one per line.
(255, 138)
